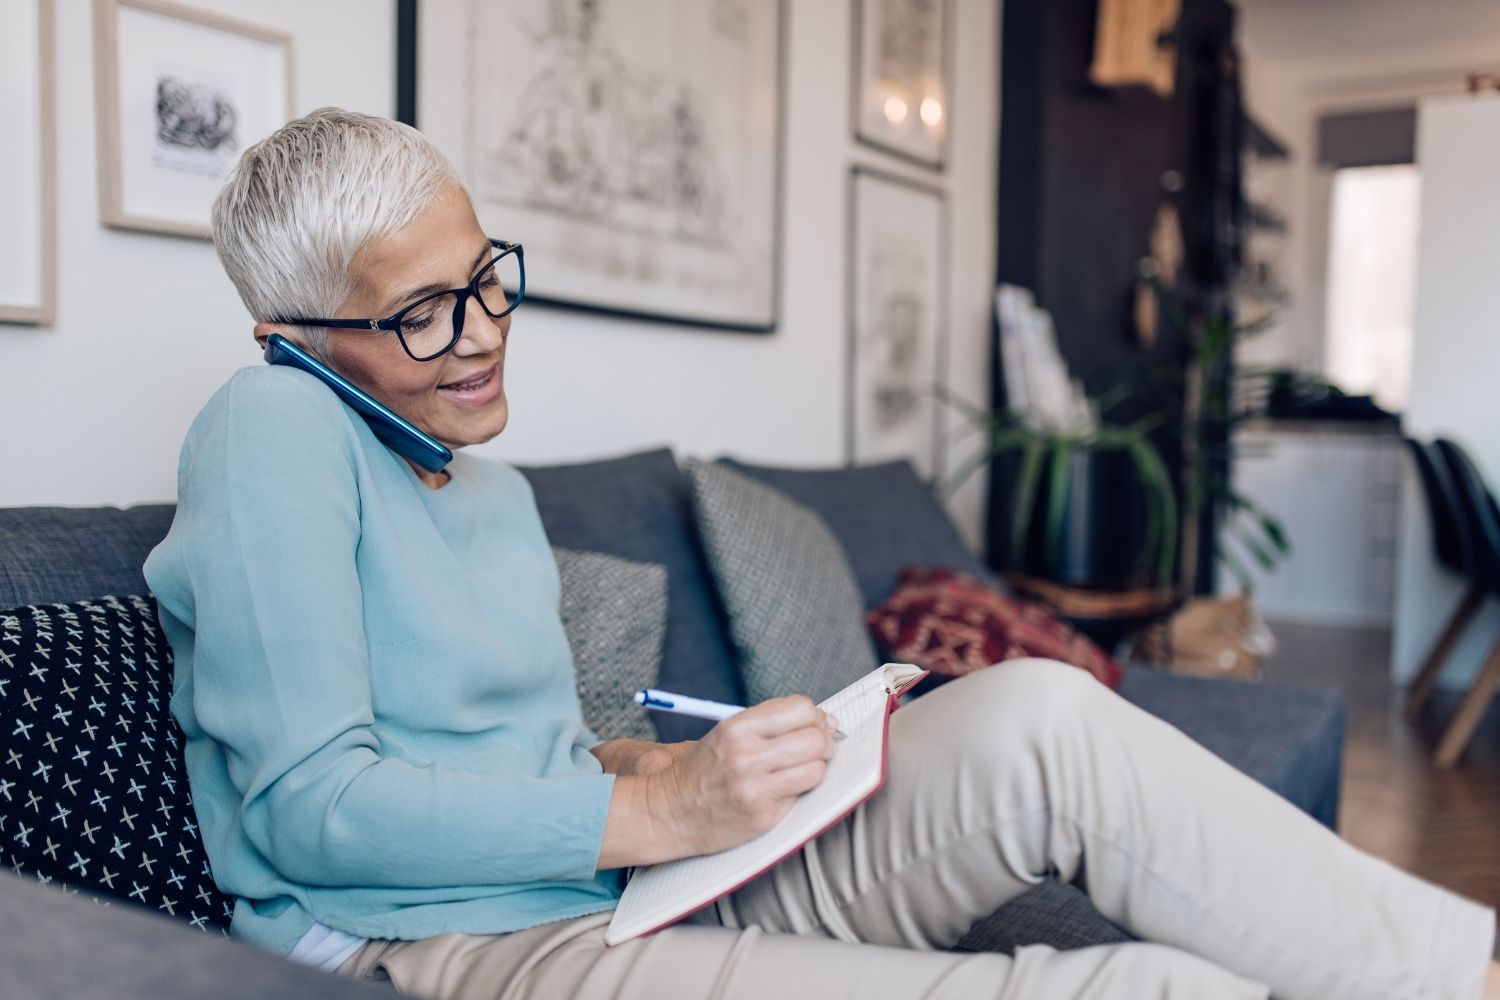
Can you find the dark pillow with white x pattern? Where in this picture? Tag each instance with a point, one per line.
(93, 792)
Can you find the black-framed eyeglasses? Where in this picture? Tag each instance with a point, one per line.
(430, 326)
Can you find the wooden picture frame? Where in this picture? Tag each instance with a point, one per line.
(897, 308)
(163, 156)
(28, 173)
(901, 97)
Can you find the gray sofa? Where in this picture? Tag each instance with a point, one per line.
(638, 507)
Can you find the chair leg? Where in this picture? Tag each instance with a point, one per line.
(1433, 665)
(1456, 737)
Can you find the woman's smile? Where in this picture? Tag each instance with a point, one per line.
(480, 389)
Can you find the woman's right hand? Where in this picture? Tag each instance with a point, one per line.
(739, 780)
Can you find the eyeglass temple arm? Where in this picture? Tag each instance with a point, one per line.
(341, 324)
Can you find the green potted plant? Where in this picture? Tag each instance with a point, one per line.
(1090, 506)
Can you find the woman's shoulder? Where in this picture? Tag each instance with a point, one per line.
(270, 400)
(274, 391)
(272, 418)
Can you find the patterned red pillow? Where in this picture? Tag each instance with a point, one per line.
(952, 624)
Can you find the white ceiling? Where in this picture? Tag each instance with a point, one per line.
(1344, 31)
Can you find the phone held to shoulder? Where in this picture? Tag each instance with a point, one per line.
(400, 435)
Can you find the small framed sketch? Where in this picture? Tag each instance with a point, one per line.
(180, 94)
(901, 102)
(897, 294)
(634, 148)
(28, 200)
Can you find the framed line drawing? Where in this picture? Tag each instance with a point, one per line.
(634, 149)
(897, 309)
(179, 95)
(901, 91)
(28, 170)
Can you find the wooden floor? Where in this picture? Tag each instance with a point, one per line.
(1442, 825)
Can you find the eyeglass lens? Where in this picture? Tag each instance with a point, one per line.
(428, 330)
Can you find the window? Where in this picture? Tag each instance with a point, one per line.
(1372, 277)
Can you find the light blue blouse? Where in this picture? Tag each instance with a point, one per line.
(382, 729)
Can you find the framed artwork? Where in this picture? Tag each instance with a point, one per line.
(179, 93)
(901, 91)
(28, 195)
(897, 294)
(633, 148)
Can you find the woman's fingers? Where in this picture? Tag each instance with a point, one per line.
(792, 749)
(779, 715)
(792, 781)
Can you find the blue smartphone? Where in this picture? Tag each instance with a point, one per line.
(400, 435)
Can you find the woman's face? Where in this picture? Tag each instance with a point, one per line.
(460, 397)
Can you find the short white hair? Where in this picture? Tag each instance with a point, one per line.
(303, 201)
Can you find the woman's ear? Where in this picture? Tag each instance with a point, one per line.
(263, 333)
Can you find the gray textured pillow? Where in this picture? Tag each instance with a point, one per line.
(795, 613)
(614, 612)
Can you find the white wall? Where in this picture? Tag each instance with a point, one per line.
(94, 409)
(1458, 356)
(581, 386)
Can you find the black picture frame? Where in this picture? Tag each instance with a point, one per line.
(857, 450)
(858, 97)
(406, 62)
(408, 75)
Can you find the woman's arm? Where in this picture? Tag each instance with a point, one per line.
(282, 737)
(734, 784)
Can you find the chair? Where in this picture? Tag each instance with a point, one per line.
(1456, 552)
(1482, 518)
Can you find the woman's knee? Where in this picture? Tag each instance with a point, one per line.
(1036, 685)
(1019, 697)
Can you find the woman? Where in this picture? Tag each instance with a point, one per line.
(392, 778)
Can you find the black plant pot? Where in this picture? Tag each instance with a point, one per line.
(1101, 542)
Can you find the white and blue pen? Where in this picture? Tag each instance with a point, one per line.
(697, 708)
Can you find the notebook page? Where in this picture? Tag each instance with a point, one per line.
(663, 892)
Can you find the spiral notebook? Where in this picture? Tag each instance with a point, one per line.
(663, 894)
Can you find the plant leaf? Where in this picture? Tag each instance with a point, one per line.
(1057, 497)
(1024, 498)
(1236, 566)
(1276, 533)
(1256, 549)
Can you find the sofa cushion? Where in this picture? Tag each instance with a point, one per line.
(93, 789)
(639, 508)
(1052, 913)
(614, 612)
(63, 554)
(884, 516)
(952, 624)
(795, 612)
(1288, 738)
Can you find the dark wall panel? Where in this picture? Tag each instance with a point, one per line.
(1081, 180)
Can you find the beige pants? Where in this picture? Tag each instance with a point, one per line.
(1025, 771)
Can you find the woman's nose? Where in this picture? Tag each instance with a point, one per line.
(481, 333)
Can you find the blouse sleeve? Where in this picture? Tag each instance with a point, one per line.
(269, 517)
